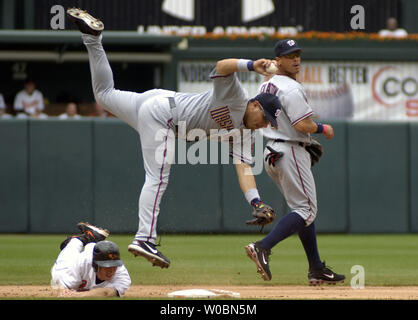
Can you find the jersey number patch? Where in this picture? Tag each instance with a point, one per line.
(221, 116)
(82, 285)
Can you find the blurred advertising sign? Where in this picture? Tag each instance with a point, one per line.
(335, 90)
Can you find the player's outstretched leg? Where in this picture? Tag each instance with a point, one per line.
(89, 233)
(93, 233)
(122, 104)
(150, 252)
(260, 256)
(85, 22)
(324, 275)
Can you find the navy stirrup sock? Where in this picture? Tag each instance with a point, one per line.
(308, 238)
(288, 225)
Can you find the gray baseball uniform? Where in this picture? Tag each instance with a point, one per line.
(155, 114)
(292, 173)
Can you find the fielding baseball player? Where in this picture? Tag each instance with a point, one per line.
(289, 155)
(157, 114)
(89, 265)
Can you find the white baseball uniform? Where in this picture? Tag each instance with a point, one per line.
(74, 270)
(35, 100)
(292, 173)
(155, 115)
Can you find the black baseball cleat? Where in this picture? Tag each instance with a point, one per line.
(89, 233)
(92, 233)
(261, 258)
(148, 251)
(324, 275)
(85, 22)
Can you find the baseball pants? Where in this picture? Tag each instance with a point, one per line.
(293, 175)
(61, 271)
(151, 115)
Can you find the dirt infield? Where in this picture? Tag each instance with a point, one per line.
(246, 292)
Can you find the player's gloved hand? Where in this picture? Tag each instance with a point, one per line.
(273, 156)
(315, 150)
(263, 214)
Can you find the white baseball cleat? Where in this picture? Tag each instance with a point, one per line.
(85, 22)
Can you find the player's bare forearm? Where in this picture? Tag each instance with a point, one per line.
(229, 66)
(309, 126)
(246, 181)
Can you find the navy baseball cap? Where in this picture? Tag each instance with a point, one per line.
(271, 106)
(284, 47)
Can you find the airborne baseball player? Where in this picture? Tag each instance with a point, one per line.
(161, 112)
(289, 155)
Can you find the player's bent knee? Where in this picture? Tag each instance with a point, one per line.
(308, 215)
(311, 218)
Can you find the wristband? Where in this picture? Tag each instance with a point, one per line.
(250, 65)
(256, 202)
(245, 65)
(251, 195)
(321, 128)
(325, 129)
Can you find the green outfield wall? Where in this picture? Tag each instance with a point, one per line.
(55, 173)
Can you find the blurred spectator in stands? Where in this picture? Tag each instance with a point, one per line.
(29, 102)
(3, 109)
(71, 112)
(392, 29)
(100, 112)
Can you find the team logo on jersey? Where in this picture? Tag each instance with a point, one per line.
(269, 87)
(222, 117)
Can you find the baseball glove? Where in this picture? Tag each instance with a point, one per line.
(316, 150)
(273, 156)
(263, 214)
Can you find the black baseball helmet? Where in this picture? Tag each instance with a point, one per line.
(106, 254)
